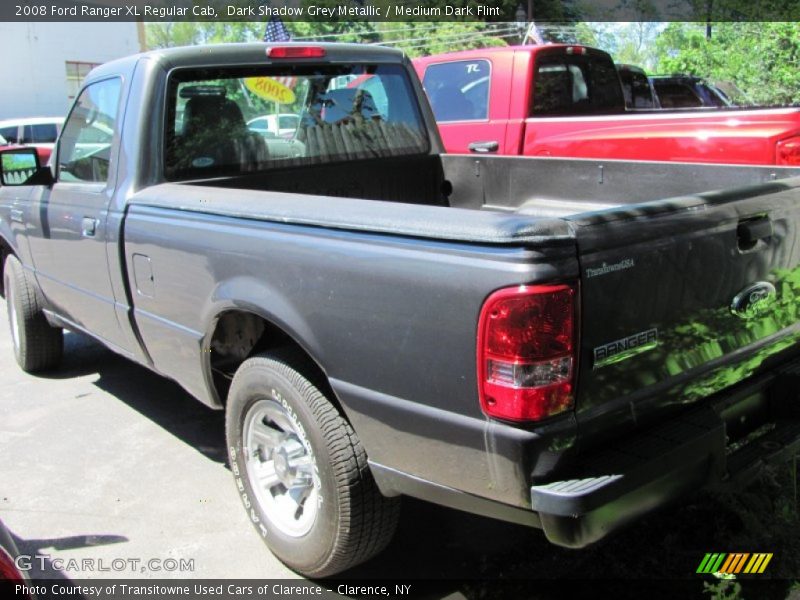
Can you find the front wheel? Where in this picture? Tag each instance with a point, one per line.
(37, 345)
(301, 470)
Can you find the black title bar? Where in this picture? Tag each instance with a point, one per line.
(332, 11)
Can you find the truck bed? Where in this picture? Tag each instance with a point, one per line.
(531, 187)
(339, 281)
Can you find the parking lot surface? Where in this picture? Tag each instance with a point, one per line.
(104, 460)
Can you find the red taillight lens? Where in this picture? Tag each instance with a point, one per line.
(8, 571)
(526, 352)
(295, 52)
(788, 152)
(576, 50)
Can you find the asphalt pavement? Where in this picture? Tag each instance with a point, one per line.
(104, 460)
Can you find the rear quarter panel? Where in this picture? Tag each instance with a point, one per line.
(732, 137)
(391, 320)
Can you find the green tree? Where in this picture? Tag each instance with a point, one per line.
(759, 58)
(416, 38)
(167, 35)
(630, 43)
(425, 38)
(187, 33)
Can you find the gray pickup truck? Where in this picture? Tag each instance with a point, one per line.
(566, 344)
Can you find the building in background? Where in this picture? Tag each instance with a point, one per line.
(44, 63)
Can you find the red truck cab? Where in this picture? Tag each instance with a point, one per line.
(566, 101)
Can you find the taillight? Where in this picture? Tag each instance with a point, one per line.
(576, 50)
(526, 352)
(788, 152)
(295, 52)
(8, 570)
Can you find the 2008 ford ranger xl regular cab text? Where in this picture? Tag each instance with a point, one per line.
(562, 343)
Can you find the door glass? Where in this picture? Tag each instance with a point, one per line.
(677, 95)
(10, 134)
(459, 91)
(85, 146)
(45, 133)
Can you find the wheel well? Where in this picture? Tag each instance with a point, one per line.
(238, 335)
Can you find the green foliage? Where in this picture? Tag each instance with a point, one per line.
(422, 39)
(417, 39)
(628, 43)
(759, 58)
(718, 11)
(187, 33)
(724, 589)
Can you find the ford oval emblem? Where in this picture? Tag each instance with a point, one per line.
(754, 300)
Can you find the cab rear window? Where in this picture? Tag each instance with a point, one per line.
(229, 121)
(575, 84)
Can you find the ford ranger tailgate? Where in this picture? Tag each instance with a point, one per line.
(683, 298)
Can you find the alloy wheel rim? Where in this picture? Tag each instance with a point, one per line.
(280, 468)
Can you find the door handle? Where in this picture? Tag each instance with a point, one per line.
(88, 227)
(484, 147)
(16, 215)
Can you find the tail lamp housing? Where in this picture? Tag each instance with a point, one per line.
(787, 152)
(527, 352)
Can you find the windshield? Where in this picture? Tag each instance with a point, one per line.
(224, 122)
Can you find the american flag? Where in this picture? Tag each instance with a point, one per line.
(276, 31)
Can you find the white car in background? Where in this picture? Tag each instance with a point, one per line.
(39, 132)
(281, 125)
(279, 133)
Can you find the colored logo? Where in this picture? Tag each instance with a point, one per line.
(735, 563)
(754, 300)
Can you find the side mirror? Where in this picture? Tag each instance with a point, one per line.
(20, 166)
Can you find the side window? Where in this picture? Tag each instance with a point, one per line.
(677, 95)
(10, 134)
(642, 95)
(459, 91)
(45, 133)
(85, 146)
(27, 134)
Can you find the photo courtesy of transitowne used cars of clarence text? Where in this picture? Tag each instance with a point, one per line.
(521, 338)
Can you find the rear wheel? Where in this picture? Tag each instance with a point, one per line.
(37, 345)
(301, 470)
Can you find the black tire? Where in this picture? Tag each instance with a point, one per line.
(37, 345)
(353, 521)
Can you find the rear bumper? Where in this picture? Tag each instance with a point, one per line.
(639, 474)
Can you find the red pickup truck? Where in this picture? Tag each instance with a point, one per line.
(566, 101)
